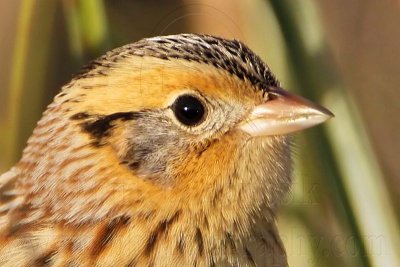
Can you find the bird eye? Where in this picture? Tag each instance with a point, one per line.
(189, 110)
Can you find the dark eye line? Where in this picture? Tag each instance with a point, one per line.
(100, 126)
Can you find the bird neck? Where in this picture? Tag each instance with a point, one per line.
(222, 208)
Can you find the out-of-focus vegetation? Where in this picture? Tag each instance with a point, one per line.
(344, 209)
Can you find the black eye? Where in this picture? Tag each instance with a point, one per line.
(188, 109)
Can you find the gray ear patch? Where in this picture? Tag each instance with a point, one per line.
(154, 142)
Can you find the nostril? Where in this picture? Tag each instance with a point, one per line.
(272, 96)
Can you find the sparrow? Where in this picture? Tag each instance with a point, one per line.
(171, 151)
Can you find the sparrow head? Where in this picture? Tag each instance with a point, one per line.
(192, 118)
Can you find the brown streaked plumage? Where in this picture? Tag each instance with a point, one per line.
(167, 152)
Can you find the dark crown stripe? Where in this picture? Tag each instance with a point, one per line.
(230, 55)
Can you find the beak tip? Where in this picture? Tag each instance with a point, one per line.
(321, 118)
(326, 112)
(319, 115)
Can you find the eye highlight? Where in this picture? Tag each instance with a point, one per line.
(188, 110)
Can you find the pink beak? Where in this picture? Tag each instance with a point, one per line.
(283, 113)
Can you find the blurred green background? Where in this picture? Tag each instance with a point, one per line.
(344, 206)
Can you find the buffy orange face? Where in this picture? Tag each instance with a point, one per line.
(171, 151)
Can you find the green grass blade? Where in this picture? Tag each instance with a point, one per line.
(17, 76)
(311, 87)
